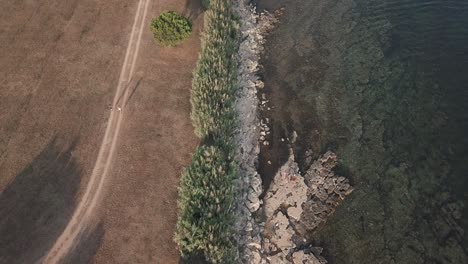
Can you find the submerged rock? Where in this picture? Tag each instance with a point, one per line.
(326, 191)
(295, 205)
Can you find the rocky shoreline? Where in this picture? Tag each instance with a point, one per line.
(296, 205)
(274, 229)
(253, 28)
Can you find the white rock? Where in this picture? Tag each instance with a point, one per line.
(253, 196)
(256, 258)
(253, 206)
(300, 257)
(255, 245)
(256, 184)
(248, 227)
(294, 212)
(294, 137)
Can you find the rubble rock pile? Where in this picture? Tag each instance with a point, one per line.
(325, 193)
(253, 28)
(296, 205)
(268, 231)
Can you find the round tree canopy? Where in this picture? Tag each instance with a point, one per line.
(170, 28)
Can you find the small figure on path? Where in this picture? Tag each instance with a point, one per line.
(119, 109)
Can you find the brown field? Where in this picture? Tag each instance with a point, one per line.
(60, 62)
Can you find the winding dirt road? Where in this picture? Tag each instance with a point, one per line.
(83, 213)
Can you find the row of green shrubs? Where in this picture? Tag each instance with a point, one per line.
(206, 193)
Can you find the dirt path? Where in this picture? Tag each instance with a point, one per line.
(85, 209)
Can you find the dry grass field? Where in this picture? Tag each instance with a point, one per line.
(60, 62)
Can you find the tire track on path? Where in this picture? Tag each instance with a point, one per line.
(83, 213)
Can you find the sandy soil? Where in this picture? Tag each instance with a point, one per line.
(60, 64)
(85, 211)
(156, 142)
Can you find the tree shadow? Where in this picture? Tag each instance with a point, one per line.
(131, 85)
(36, 207)
(193, 259)
(88, 246)
(135, 86)
(193, 8)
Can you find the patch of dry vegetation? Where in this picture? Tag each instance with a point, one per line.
(206, 193)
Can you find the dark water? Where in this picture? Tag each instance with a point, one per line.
(385, 85)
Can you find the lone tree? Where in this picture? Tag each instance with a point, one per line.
(170, 29)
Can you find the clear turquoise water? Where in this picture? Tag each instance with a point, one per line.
(388, 83)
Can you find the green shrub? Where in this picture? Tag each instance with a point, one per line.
(170, 28)
(205, 203)
(206, 193)
(214, 84)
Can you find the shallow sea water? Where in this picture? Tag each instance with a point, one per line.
(384, 84)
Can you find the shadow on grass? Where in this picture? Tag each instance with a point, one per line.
(88, 246)
(193, 9)
(37, 205)
(193, 259)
